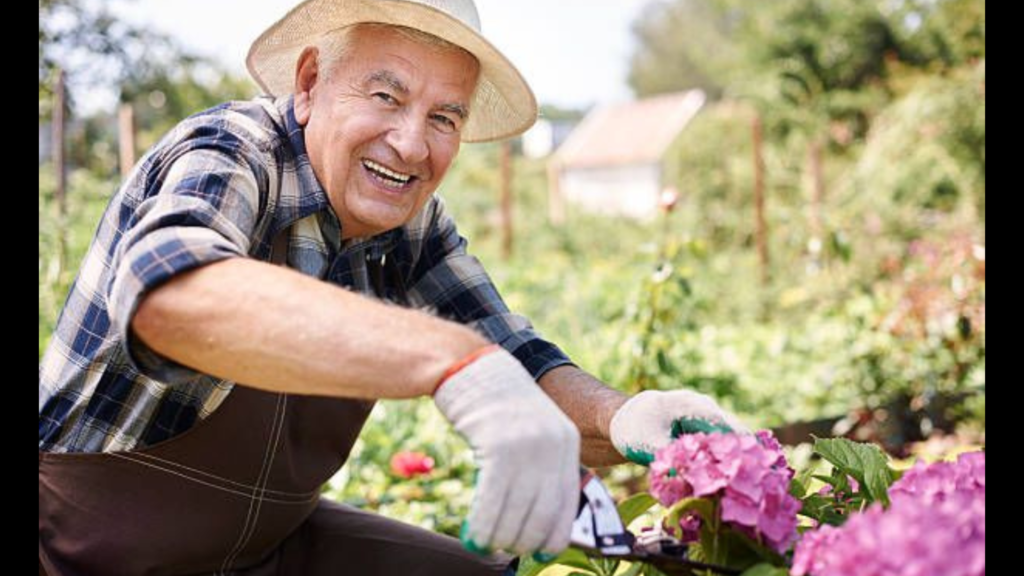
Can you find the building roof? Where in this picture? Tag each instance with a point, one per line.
(631, 133)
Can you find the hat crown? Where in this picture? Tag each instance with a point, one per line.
(463, 10)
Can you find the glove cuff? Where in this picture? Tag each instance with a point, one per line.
(466, 361)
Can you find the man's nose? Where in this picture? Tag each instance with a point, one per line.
(409, 140)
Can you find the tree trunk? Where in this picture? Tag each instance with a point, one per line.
(58, 162)
(759, 200)
(126, 138)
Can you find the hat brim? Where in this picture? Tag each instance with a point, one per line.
(503, 105)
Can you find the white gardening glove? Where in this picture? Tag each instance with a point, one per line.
(653, 418)
(527, 451)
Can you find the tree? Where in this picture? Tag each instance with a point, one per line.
(686, 44)
(163, 81)
(88, 43)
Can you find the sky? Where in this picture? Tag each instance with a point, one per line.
(574, 53)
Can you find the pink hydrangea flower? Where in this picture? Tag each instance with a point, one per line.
(747, 474)
(935, 526)
(936, 482)
(812, 554)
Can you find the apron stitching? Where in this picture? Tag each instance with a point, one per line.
(210, 484)
(306, 495)
(260, 500)
(262, 478)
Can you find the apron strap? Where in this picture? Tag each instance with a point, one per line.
(279, 248)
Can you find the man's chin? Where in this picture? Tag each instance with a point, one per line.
(372, 225)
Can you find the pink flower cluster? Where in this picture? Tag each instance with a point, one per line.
(748, 474)
(939, 481)
(935, 526)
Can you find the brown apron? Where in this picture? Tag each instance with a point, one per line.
(238, 493)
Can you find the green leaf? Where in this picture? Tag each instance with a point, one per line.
(574, 558)
(530, 567)
(821, 509)
(737, 550)
(826, 479)
(797, 488)
(633, 570)
(571, 557)
(841, 482)
(663, 364)
(865, 462)
(765, 570)
(650, 570)
(631, 508)
(695, 552)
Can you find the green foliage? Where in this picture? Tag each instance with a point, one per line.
(765, 570)
(633, 507)
(688, 44)
(864, 462)
(665, 309)
(943, 35)
(164, 95)
(938, 131)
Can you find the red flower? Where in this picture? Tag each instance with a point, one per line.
(409, 464)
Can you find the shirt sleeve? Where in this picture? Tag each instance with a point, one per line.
(454, 285)
(202, 209)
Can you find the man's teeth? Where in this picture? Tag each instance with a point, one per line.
(394, 177)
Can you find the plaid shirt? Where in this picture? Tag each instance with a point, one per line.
(220, 185)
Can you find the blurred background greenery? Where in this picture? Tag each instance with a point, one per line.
(870, 319)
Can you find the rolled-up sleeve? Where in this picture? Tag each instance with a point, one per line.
(455, 286)
(204, 209)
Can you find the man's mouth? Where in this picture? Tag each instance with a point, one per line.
(388, 177)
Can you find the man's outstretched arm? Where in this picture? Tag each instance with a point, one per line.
(590, 404)
(276, 329)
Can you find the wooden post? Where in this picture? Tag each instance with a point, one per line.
(58, 163)
(506, 199)
(759, 199)
(126, 138)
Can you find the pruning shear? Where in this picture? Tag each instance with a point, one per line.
(598, 532)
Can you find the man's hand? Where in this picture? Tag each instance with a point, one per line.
(652, 419)
(527, 451)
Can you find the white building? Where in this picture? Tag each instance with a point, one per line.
(612, 163)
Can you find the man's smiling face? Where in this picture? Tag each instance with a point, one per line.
(383, 129)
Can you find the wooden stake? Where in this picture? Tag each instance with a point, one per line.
(58, 163)
(126, 137)
(759, 200)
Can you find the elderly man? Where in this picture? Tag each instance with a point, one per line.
(262, 277)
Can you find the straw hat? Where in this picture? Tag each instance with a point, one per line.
(503, 105)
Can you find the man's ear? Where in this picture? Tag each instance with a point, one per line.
(306, 77)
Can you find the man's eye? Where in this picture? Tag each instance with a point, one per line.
(447, 124)
(385, 97)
